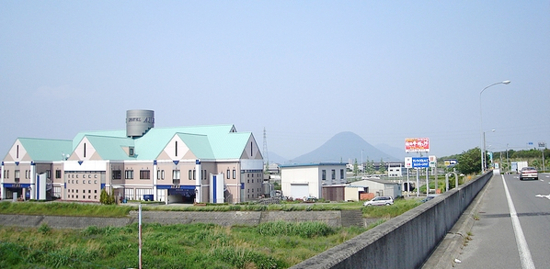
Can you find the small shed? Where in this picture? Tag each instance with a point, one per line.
(380, 187)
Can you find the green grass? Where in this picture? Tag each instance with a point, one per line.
(399, 207)
(270, 245)
(65, 209)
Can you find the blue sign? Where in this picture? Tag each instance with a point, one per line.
(420, 162)
(450, 163)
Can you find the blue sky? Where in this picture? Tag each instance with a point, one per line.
(303, 70)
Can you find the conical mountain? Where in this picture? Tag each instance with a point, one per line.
(343, 147)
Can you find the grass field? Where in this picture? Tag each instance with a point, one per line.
(269, 245)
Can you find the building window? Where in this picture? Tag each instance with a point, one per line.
(341, 173)
(144, 174)
(16, 176)
(117, 174)
(176, 148)
(129, 174)
(190, 174)
(324, 175)
(228, 175)
(160, 174)
(57, 173)
(175, 174)
(234, 174)
(131, 151)
(84, 150)
(6, 173)
(333, 174)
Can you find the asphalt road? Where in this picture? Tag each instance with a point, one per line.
(513, 231)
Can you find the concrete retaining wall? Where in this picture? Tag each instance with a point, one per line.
(332, 218)
(406, 241)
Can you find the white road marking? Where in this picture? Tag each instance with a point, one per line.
(543, 196)
(524, 252)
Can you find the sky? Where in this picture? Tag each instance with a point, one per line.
(302, 70)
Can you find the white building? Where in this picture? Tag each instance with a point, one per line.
(301, 181)
(380, 187)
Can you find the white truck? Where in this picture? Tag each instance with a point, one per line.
(516, 166)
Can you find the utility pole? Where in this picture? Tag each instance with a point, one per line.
(266, 154)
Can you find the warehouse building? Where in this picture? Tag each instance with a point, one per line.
(318, 180)
(213, 164)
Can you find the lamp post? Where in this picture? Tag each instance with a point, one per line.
(481, 125)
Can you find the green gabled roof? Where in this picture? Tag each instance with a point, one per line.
(79, 136)
(229, 146)
(111, 148)
(206, 142)
(46, 149)
(198, 144)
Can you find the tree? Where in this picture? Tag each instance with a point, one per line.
(469, 162)
(370, 167)
(383, 167)
(106, 198)
(355, 168)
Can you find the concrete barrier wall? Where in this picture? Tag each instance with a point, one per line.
(406, 241)
(332, 218)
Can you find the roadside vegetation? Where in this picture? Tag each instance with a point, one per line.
(269, 245)
(399, 207)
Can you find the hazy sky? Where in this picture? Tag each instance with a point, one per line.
(303, 70)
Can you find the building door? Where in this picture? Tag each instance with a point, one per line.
(299, 191)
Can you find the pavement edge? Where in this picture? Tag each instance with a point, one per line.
(450, 247)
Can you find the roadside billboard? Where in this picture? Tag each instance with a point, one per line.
(420, 162)
(417, 144)
(433, 161)
(450, 163)
(408, 162)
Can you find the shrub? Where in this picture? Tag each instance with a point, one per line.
(106, 198)
(44, 228)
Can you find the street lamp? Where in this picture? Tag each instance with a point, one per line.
(481, 125)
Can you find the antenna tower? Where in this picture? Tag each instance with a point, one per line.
(266, 154)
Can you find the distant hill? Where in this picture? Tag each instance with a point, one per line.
(344, 147)
(275, 158)
(398, 153)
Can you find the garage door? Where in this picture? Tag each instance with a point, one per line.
(299, 191)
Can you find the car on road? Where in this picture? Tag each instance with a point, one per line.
(528, 172)
(379, 200)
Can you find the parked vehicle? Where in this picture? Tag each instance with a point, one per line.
(528, 172)
(379, 200)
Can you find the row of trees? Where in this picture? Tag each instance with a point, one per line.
(369, 167)
(469, 162)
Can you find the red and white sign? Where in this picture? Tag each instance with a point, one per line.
(408, 162)
(417, 144)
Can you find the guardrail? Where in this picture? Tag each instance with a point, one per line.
(406, 241)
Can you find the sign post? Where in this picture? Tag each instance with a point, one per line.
(418, 145)
(408, 164)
